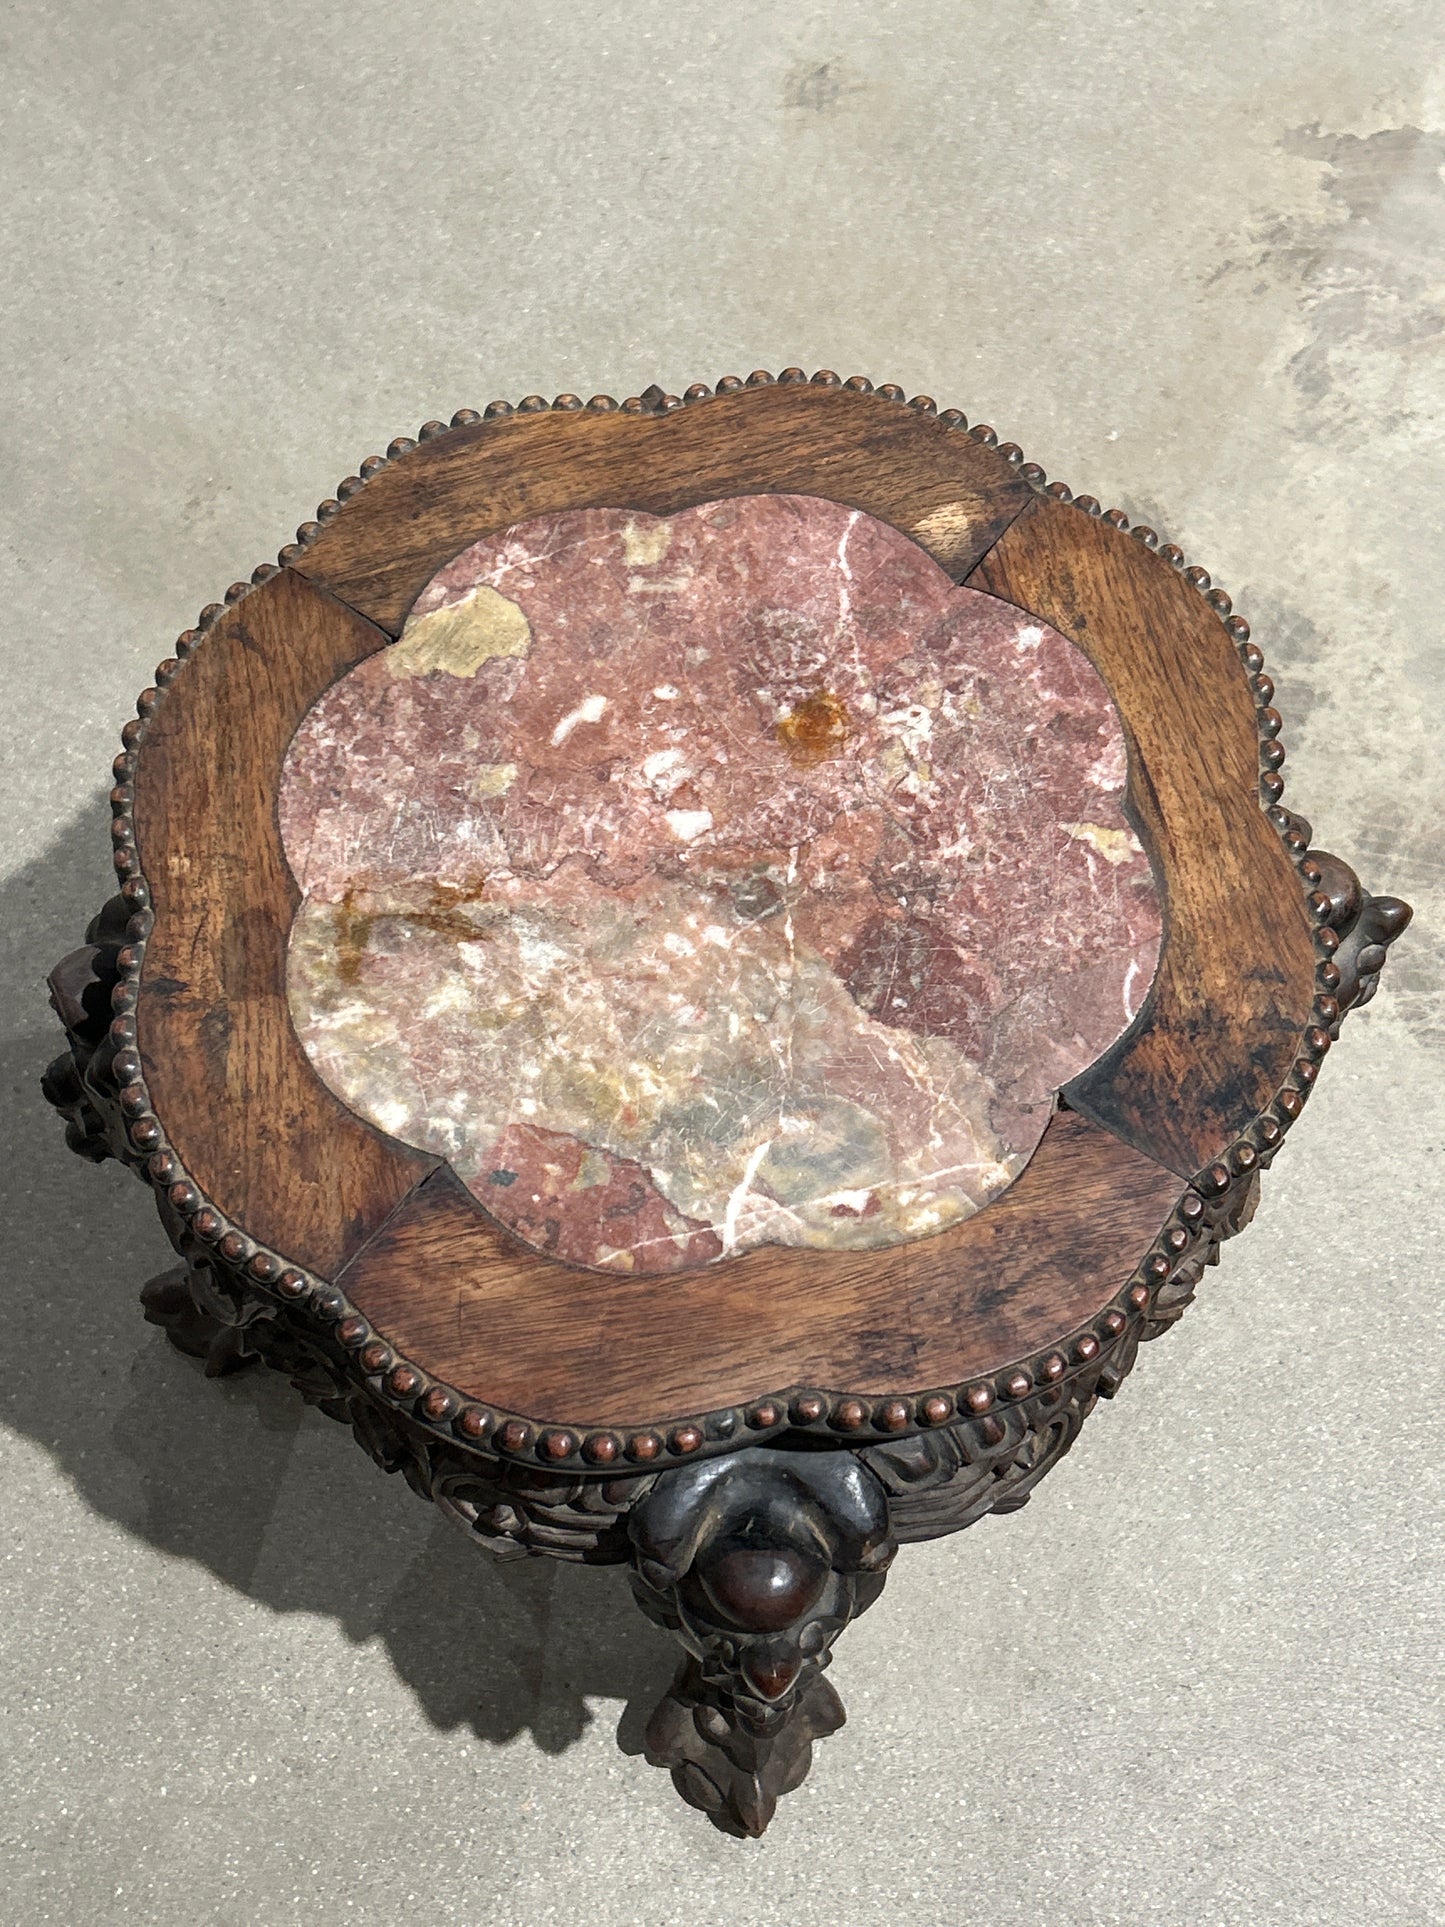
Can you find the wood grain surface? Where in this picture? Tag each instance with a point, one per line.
(952, 494)
(1235, 985)
(244, 1110)
(450, 1289)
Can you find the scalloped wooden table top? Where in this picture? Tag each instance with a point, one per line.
(664, 906)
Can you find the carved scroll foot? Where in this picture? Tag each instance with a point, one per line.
(731, 1764)
(174, 1301)
(756, 1562)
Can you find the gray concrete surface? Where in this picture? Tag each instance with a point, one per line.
(1193, 258)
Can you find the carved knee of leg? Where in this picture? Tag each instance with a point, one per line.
(758, 1561)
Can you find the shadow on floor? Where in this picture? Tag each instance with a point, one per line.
(237, 1474)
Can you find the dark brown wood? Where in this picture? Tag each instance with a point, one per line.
(176, 1300)
(1236, 981)
(952, 494)
(450, 1289)
(255, 1127)
(757, 1563)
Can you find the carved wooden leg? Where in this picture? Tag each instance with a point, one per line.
(756, 1562)
(181, 1302)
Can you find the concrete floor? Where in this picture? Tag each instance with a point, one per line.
(1193, 258)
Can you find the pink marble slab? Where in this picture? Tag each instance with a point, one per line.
(699, 882)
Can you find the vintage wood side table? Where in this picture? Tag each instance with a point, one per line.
(701, 972)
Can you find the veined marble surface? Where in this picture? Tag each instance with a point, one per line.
(702, 882)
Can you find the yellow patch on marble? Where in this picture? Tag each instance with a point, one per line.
(893, 762)
(461, 637)
(642, 548)
(493, 779)
(1115, 846)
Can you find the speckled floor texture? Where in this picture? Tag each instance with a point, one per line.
(1192, 258)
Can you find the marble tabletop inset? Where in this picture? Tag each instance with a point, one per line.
(703, 882)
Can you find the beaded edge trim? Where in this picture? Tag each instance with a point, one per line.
(1191, 1232)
